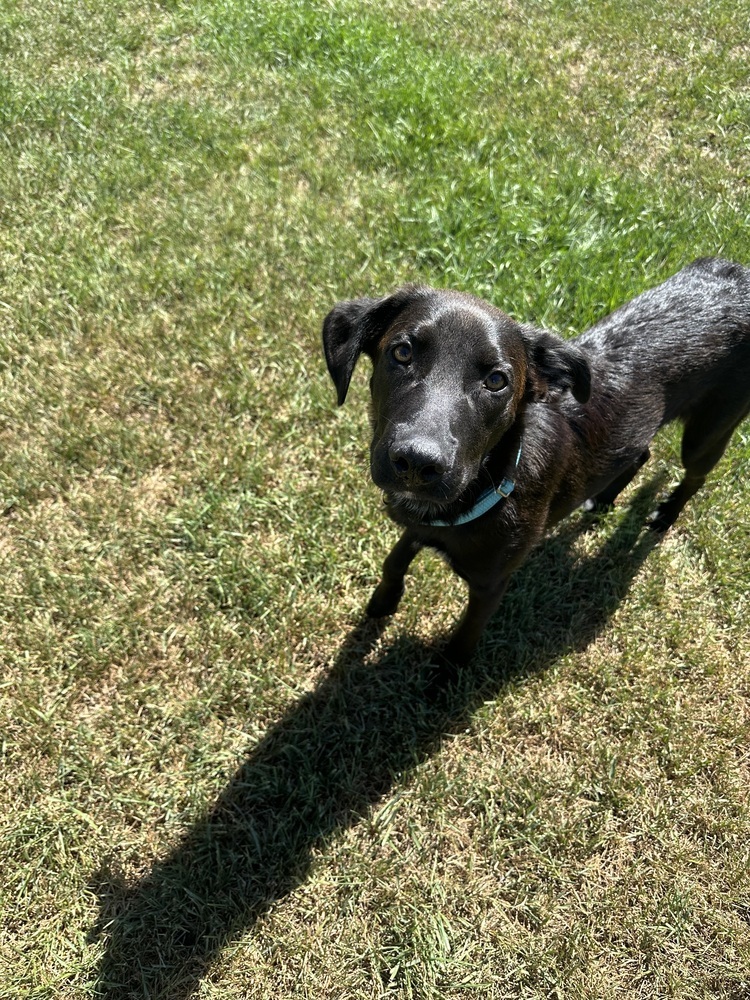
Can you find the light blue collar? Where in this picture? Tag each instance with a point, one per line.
(485, 501)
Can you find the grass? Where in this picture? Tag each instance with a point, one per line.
(217, 780)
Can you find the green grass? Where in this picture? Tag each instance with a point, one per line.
(216, 780)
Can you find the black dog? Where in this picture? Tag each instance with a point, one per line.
(487, 431)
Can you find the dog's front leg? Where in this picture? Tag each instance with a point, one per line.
(483, 603)
(388, 592)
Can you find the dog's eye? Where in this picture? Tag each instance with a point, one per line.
(495, 382)
(402, 353)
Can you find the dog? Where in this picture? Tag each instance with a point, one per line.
(487, 431)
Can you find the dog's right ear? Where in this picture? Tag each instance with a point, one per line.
(556, 364)
(355, 326)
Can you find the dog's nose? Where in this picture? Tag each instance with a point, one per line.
(417, 463)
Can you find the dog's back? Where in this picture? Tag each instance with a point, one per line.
(678, 351)
(685, 338)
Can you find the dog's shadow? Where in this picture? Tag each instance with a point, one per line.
(334, 755)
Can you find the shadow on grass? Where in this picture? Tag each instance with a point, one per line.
(335, 754)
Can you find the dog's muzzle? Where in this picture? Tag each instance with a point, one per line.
(417, 469)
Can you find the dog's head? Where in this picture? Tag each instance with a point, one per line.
(451, 375)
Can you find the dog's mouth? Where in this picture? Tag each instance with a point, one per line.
(435, 496)
(439, 501)
(415, 505)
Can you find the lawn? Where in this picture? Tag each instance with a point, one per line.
(218, 780)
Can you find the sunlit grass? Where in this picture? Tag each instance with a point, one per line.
(215, 780)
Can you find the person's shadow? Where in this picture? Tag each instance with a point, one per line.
(334, 755)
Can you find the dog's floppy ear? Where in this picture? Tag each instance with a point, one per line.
(355, 326)
(555, 364)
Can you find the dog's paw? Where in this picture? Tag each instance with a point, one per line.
(661, 520)
(455, 654)
(596, 506)
(384, 601)
(441, 678)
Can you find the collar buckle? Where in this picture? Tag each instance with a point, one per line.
(505, 488)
